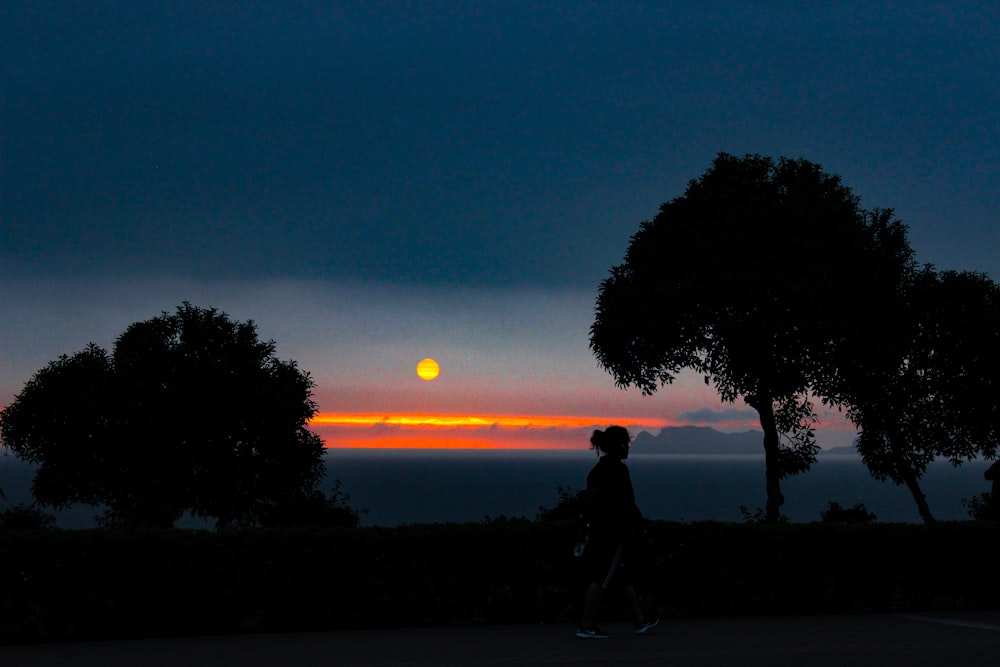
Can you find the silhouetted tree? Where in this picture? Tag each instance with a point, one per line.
(933, 387)
(759, 277)
(314, 510)
(190, 412)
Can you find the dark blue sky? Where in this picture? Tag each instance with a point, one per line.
(473, 143)
(378, 182)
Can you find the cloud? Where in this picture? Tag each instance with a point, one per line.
(725, 416)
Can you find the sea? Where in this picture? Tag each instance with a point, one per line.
(395, 487)
(424, 486)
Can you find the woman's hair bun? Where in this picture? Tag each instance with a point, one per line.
(613, 439)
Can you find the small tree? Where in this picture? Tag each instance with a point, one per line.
(190, 412)
(929, 389)
(745, 279)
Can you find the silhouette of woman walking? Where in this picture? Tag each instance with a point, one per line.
(613, 520)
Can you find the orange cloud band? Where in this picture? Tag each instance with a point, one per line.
(512, 421)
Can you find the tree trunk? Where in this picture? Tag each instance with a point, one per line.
(772, 444)
(991, 512)
(914, 486)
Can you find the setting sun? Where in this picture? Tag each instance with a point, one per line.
(428, 369)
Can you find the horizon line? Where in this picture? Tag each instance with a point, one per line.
(481, 420)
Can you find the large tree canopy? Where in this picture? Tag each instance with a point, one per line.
(760, 276)
(932, 387)
(191, 412)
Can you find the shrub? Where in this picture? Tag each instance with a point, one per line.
(758, 516)
(980, 508)
(834, 513)
(61, 585)
(567, 508)
(26, 517)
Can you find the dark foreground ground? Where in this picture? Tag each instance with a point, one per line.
(913, 640)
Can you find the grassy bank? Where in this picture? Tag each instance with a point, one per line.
(73, 585)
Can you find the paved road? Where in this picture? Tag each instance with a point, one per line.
(913, 640)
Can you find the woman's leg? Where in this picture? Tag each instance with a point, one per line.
(633, 603)
(591, 605)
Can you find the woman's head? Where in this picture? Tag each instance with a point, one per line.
(612, 441)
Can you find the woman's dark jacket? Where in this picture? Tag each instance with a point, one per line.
(610, 508)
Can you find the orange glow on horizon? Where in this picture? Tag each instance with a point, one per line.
(421, 430)
(423, 442)
(474, 421)
(463, 431)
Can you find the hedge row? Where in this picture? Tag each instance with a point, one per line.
(76, 585)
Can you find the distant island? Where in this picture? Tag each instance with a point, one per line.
(698, 440)
(705, 440)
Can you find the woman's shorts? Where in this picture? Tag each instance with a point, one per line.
(606, 564)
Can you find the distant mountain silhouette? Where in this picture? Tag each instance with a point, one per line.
(707, 441)
(698, 440)
(848, 450)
